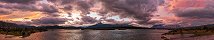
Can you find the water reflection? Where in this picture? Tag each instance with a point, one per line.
(134, 34)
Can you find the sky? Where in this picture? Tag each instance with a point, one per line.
(140, 13)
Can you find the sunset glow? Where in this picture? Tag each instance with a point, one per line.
(80, 12)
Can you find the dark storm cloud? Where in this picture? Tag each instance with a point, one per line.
(50, 20)
(4, 12)
(161, 2)
(10, 6)
(210, 4)
(139, 9)
(46, 8)
(110, 20)
(87, 20)
(81, 5)
(31, 7)
(196, 13)
(68, 7)
(68, 1)
(18, 1)
(193, 16)
(49, 9)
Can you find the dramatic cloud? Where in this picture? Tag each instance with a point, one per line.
(138, 9)
(210, 4)
(77, 11)
(18, 1)
(199, 9)
(47, 20)
(4, 12)
(49, 9)
(88, 20)
(17, 7)
(196, 13)
(190, 12)
(195, 16)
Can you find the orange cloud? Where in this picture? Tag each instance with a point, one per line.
(21, 16)
(174, 4)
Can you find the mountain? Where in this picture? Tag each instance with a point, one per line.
(112, 26)
(162, 26)
(58, 27)
(12, 25)
(101, 25)
(158, 26)
(208, 26)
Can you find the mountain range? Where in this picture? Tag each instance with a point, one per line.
(105, 26)
(13, 25)
(96, 26)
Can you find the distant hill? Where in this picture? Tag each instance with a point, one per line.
(158, 26)
(208, 26)
(162, 26)
(101, 25)
(112, 26)
(12, 25)
(58, 27)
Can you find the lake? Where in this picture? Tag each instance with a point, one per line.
(130, 34)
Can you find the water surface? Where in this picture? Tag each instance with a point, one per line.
(131, 34)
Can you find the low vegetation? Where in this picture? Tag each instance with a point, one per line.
(24, 32)
(197, 30)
